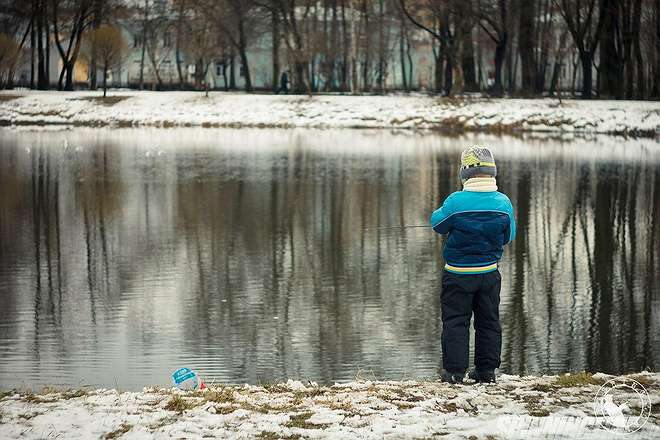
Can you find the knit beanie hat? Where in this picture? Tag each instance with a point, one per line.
(477, 160)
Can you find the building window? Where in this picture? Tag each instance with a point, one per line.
(167, 39)
(136, 40)
(219, 66)
(242, 71)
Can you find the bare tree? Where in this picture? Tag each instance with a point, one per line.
(109, 47)
(584, 19)
(103, 12)
(16, 18)
(182, 28)
(440, 19)
(493, 19)
(9, 54)
(71, 18)
(294, 14)
(238, 21)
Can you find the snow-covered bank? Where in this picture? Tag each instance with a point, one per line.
(131, 108)
(515, 407)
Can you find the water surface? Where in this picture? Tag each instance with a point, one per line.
(256, 255)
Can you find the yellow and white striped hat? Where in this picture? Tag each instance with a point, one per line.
(477, 160)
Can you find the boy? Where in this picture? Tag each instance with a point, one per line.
(478, 222)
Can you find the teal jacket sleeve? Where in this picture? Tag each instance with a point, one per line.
(512, 221)
(441, 217)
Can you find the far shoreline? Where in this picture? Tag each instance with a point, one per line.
(452, 116)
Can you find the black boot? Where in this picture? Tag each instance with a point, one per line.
(452, 377)
(482, 376)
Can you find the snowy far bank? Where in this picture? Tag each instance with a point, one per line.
(132, 108)
(515, 407)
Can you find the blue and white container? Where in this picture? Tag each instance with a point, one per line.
(187, 379)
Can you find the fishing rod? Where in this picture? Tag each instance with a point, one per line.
(398, 227)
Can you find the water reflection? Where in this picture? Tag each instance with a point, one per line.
(254, 255)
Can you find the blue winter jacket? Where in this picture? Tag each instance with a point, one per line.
(478, 225)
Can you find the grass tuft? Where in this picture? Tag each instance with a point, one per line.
(543, 387)
(74, 394)
(123, 429)
(108, 100)
(576, 380)
(178, 404)
(310, 392)
(274, 387)
(220, 395)
(224, 410)
(7, 97)
(645, 381)
(301, 421)
(268, 435)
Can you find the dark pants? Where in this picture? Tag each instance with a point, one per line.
(463, 295)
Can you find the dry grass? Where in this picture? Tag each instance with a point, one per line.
(300, 421)
(543, 387)
(219, 395)
(8, 97)
(73, 394)
(179, 404)
(268, 435)
(576, 380)
(37, 398)
(645, 381)
(224, 410)
(310, 393)
(123, 429)
(108, 100)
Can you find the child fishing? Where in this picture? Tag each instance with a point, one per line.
(478, 222)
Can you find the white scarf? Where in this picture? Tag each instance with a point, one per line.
(480, 184)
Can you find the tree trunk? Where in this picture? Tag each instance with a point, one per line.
(402, 53)
(177, 48)
(41, 69)
(555, 76)
(467, 61)
(246, 69)
(656, 69)
(544, 33)
(559, 62)
(500, 52)
(299, 70)
(346, 44)
(275, 29)
(232, 71)
(381, 47)
(76, 51)
(438, 72)
(334, 48)
(92, 69)
(242, 52)
(637, 13)
(366, 66)
(179, 71)
(105, 79)
(610, 70)
(526, 33)
(47, 48)
(144, 42)
(586, 58)
(449, 75)
(68, 85)
(354, 59)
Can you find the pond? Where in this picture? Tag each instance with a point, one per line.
(256, 255)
